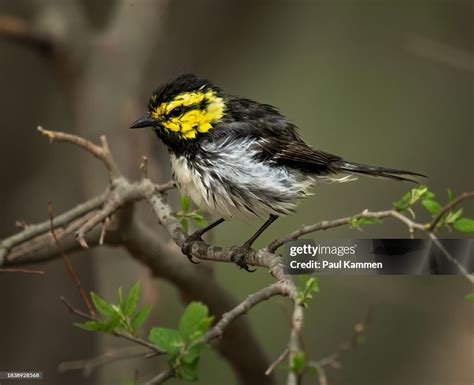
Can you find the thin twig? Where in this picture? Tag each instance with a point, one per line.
(453, 260)
(18, 270)
(333, 359)
(448, 207)
(88, 365)
(161, 377)
(100, 152)
(32, 231)
(325, 225)
(70, 269)
(116, 333)
(277, 362)
(277, 288)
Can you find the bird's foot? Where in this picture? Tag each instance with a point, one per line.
(238, 256)
(187, 246)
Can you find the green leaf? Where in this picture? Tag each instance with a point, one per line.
(452, 217)
(195, 321)
(120, 296)
(419, 192)
(168, 340)
(357, 222)
(90, 325)
(131, 300)
(102, 305)
(297, 363)
(470, 297)
(99, 326)
(412, 196)
(200, 222)
(465, 225)
(140, 317)
(432, 206)
(187, 371)
(303, 292)
(184, 203)
(312, 285)
(451, 196)
(193, 352)
(184, 224)
(111, 324)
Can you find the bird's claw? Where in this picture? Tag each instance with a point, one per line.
(238, 256)
(186, 248)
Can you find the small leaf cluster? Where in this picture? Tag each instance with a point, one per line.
(184, 215)
(298, 362)
(299, 365)
(357, 222)
(122, 316)
(452, 219)
(305, 288)
(411, 197)
(183, 346)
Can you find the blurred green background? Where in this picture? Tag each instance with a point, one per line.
(378, 82)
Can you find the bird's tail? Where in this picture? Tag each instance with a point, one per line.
(375, 171)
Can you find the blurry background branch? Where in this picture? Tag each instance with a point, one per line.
(458, 58)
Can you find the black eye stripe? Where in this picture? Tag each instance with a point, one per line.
(181, 110)
(177, 111)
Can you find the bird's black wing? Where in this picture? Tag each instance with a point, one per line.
(276, 139)
(297, 155)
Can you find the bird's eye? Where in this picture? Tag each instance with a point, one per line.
(177, 111)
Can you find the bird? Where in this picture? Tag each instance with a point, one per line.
(238, 158)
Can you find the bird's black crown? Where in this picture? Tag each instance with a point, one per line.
(183, 83)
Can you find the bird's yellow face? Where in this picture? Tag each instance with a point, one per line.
(188, 113)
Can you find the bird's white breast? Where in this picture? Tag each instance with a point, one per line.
(227, 179)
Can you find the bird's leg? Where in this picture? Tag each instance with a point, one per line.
(239, 253)
(197, 236)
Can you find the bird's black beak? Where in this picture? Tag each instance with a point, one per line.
(144, 121)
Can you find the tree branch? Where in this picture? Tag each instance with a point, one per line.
(87, 366)
(101, 152)
(326, 225)
(16, 29)
(449, 206)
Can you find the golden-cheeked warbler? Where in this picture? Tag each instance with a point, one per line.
(240, 158)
